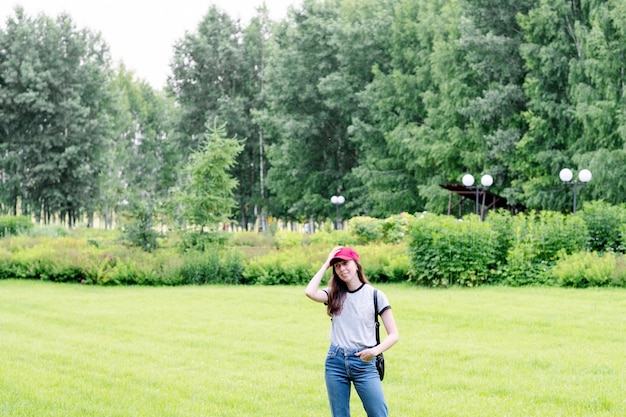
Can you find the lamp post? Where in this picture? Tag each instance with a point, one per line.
(584, 176)
(337, 201)
(486, 181)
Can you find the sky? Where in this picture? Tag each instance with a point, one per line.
(142, 33)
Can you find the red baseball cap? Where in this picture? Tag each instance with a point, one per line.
(346, 253)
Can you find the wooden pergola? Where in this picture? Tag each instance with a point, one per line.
(481, 197)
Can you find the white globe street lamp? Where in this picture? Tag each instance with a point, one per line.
(337, 201)
(566, 175)
(584, 176)
(486, 181)
(468, 180)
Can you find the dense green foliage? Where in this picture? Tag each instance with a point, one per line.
(206, 197)
(540, 248)
(527, 249)
(14, 225)
(100, 260)
(378, 100)
(606, 225)
(532, 243)
(445, 251)
(143, 157)
(589, 269)
(54, 116)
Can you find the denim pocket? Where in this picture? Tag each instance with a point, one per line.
(332, 352)
(359, 367)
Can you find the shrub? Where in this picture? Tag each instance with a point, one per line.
(521, 266)
(71, 259)
(212, 267)
(331, 238)
(557, 232)
(296, 266)
(287, 239)
(590, 269)
(445, 251)
(520, 249)
(53, 259)
(48, 231)
(200, 241)
(531, 244)
(137, 229)
(251, 239)
(232, 265)
(140, 234)
(605, 224)
(279, 268)
(366, 229)
(14, 225)
(385, 262)
(502, 223)
(128, 272)
(136, 267)
(200, 268)
(395, 227)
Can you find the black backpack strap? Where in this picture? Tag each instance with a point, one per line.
(376, 316)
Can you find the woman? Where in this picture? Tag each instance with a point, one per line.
(349, 300)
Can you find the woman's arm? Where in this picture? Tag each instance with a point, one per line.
(392, 337)
(312, 289)
(392, 331)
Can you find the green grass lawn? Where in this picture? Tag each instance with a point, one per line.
(71, 350)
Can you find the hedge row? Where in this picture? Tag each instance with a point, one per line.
(80, 260)
(14, 225)
(544, 248)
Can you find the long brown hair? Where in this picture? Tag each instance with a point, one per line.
(339, 289)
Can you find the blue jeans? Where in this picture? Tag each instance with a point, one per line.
(343, 368)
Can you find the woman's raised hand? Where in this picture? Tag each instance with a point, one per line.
(332, 254)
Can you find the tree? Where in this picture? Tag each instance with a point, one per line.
(207, 197)
(55, 108)
(421, 140)
(206, 75)
(218, 72)
(308, 147)
(143, 156)
(490, 40)
(389, 99)
(551, 45)
(597, 87)
(252, 162)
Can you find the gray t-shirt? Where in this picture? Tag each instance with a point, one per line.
(355, 327)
